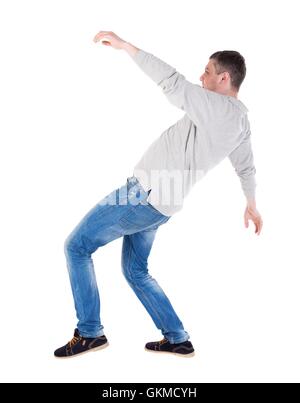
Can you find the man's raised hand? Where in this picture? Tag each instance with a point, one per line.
(109, 38)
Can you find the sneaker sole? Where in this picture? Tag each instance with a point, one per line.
(170, 352)
(84, 352)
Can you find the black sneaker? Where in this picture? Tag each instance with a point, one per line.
(79, 345)
(184, 349)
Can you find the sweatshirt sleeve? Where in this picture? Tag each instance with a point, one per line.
(242, 160)
(189, 97)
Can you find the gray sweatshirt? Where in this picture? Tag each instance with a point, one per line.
(214, 126)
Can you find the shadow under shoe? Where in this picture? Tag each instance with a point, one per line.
(79, 345)
(184, 349)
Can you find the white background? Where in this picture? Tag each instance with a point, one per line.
(75, 118)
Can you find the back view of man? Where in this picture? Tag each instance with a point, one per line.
(215, 126)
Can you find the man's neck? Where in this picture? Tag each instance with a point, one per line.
(233, 94)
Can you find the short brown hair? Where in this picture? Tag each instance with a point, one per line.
(233, 62)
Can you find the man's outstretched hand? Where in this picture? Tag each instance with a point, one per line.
(251, 213)
(110, 39)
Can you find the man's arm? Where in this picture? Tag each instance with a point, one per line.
(130, 49)
(242, 160)
(192, 98)
(185, 95)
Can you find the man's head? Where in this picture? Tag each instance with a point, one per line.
(224, 72)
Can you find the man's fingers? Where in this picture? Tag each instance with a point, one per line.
(258, 227)
(256, 219)
(100, 35)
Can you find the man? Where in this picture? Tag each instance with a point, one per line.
(215, 126)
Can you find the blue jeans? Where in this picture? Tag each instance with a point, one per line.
(125, 213)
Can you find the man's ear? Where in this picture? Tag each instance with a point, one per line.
(225, 76)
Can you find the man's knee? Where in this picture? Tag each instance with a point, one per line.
(77, 244)
(69, 244)
(134, 276)
(125, 270)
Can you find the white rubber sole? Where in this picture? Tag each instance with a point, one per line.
(169, 352)
(87, 351)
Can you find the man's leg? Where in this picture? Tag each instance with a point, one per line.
(124, 211)
(135, 251)
(94, 230)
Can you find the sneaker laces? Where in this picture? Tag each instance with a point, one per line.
(163, 341)
(74, 340)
